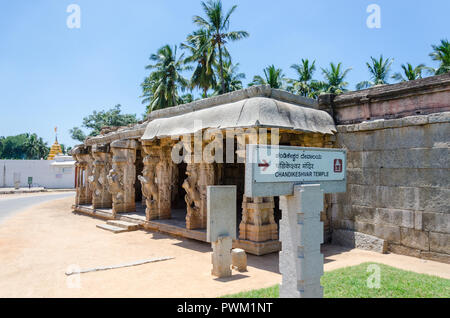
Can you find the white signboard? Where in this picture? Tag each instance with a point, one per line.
(297, 164)
(275, 169)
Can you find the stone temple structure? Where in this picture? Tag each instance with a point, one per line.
(129, 173)
(398, 165)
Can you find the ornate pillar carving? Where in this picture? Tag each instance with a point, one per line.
(200, 174)
(258, 223)
(164, 176)
(122, 176)
(101, 197)
(84, 171)
(150, 188)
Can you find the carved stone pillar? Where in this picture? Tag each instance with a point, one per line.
(193, 197)
(84, 171)
(148, 181)
(258, 223)
(164, 175)
(101, 197)
(122, 176)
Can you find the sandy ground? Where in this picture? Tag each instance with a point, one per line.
(38, 245)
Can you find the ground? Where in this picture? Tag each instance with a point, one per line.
(40, 243)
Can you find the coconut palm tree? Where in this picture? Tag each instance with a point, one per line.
(217, 24)
(334, 79)
(162, 85)
(411, 73)
(304, 85)
(232, 78)
(203, 54)
(379, 72)
(272, 76)
(441, 54)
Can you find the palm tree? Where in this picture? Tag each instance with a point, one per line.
(304, 85)
(411, 73)
(217, 25)
(379, 72)
(203, 54)
(162, 85)
(272, 76)
(335, 79)
(441, 53)
(232, 78)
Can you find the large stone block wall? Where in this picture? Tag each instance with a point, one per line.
(398, 185)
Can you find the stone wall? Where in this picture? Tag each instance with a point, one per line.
(398, 183)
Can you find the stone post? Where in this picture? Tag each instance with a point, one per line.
(148, 181)
(101, 197)
(221, 256)
(301, 233)
(84, 170)
(122, 176)
(164, 174)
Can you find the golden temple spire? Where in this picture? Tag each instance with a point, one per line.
(56, 147)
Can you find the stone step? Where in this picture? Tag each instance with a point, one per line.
(111, 228)
(123, 224)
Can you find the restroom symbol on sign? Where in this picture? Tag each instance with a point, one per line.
(338, 165)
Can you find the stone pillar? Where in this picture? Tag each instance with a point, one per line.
(258, 223)
(164, 175)
(101, 197)
(148, 181)
(301, 233)
(84, 170)
(122, 176)
(221, 257)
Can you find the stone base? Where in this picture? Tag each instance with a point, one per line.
(258, 248)
(359, 240)
(124, 208)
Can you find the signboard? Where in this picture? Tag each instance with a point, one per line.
(274, 170)
(30, 180)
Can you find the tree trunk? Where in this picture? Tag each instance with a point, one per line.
(221, 69)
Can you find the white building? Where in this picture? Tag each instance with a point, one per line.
(50, 174)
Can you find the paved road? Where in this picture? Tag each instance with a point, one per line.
(9, 206)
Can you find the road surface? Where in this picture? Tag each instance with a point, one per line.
(14, 204)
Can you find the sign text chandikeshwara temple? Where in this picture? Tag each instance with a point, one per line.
(295, 164)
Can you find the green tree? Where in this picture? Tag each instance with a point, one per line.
(441, 54)
(304, 84)
(97, 120)
(410, 72)
(162, 85)
(35, 147)
(23, 146)
(232, 78)
(202, 53)
(217, 24)
(272, 76)
(335, 79)
(379, 72)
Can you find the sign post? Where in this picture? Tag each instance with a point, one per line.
(300, 176)
(30, 182)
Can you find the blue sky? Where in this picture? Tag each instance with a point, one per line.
(54, 76)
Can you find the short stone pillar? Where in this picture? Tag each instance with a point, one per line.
(122, 176)
(239, 259)
(101, 197)
(301, 233)
(221, 256)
